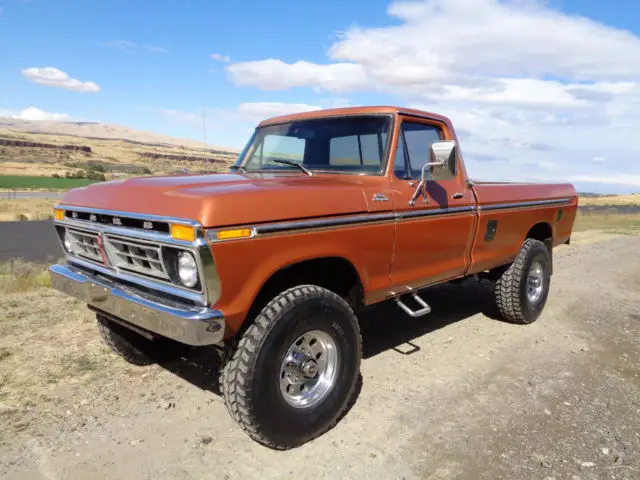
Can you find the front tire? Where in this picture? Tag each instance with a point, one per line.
(521, 291)
(295, 369)
(135, 348)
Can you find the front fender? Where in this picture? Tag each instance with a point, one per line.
(244, 266)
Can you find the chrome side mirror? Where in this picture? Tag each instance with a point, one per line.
(441, 164)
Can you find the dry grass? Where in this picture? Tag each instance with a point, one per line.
(18, 276)
(608, 222)
(31, 169)
(611, 200)
(27, 209)
(52, 360)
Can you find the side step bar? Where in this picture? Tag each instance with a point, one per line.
(414, 313)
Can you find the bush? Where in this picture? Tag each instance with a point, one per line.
(20, 276)
(87, 175)
(94, 175)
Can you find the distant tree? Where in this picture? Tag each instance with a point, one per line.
(97, 176)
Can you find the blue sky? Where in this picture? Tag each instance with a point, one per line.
(544, 91)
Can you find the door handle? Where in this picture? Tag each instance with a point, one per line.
(456, 196)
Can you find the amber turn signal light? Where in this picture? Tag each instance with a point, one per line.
(230, 234)
(183, 232)
(59, 214)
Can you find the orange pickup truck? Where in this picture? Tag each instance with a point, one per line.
(323, 214)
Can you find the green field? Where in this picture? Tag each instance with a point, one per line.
(49, 183)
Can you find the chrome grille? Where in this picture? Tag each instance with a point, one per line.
(85, 244)
(135, 256)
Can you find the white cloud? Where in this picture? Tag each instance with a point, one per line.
(261, 110)
(246, 113)
(220, 58)
(273, 74)
(536, 94)
(598, 159)
(33, 113)
(53, 77)
(128, 46)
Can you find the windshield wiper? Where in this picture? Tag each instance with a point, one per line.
(239, 168)
(295, 164)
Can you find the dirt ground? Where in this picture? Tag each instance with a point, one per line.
(457, 394)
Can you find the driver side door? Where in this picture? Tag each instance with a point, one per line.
(434, 235)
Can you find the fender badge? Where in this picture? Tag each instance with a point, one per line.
(380, 197)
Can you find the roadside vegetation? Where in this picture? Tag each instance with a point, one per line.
(608, 222)
(18, 276)
(611, 200)
(50, 354)
(12, 182)
(27, 209)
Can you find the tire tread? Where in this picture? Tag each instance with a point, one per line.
(507, 288)
(240, 359)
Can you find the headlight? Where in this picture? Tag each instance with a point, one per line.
(68, 244)
(187, 269)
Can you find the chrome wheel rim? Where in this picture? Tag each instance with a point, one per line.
(309, 369)
(535, 282)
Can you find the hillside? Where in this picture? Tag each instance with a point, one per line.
(47, 148)
(94, 130)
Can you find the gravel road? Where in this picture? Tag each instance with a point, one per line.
(457, 394)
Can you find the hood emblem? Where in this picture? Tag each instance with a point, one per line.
(117, 221)
(147, 225)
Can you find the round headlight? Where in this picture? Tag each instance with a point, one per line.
(68, 245)
(187, 269)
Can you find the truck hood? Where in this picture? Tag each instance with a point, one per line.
(222, 199)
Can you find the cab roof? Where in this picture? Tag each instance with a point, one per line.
(332, 112)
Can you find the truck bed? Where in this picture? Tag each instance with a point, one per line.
(507, 211)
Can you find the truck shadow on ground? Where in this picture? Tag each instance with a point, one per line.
(387, 327)
(384, 327)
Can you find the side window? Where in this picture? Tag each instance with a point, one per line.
(419, 138)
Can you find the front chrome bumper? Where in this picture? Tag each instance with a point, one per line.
(187, 324)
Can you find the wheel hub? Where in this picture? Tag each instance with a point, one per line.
(534, 282)
(309, 369)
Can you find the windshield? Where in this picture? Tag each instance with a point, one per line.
(342, 144)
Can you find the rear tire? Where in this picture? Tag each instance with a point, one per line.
(521, 291)
(294, 371)
(135, 348)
